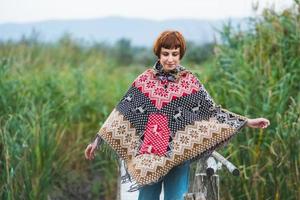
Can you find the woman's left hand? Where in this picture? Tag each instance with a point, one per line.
(258, 123)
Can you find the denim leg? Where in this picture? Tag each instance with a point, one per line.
(176, 182)
(150, 192)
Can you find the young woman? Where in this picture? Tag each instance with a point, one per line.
(165, 120)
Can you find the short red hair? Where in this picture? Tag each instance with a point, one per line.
(170, 40)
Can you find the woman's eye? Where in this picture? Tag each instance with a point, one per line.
(174, 54)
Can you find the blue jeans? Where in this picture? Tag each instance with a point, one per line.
(176, 184)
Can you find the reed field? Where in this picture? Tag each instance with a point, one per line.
(54, 97)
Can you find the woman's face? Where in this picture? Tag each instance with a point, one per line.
(169, 58)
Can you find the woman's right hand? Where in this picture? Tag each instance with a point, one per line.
(90, 151)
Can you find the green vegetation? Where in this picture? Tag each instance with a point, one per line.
(54, 98)
(257, 73)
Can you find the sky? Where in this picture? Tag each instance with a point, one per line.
(38, 10)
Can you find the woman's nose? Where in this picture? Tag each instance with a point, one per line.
(170, 58)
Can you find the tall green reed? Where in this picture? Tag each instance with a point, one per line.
(257, 74)
(53, 100)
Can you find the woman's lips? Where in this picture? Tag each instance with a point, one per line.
(170, 65)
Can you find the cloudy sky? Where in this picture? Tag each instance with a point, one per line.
(38, 10)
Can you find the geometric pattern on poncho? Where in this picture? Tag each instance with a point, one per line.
(148, 168)
(188, 124)
(136, 107)
(147, 83)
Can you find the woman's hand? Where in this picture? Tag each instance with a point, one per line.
(90, 150)
(258, 123)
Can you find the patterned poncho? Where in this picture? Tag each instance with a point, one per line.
(163, 120)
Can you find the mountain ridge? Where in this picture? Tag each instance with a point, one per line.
(141, 32)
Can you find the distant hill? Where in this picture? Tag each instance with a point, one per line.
(141, 32)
